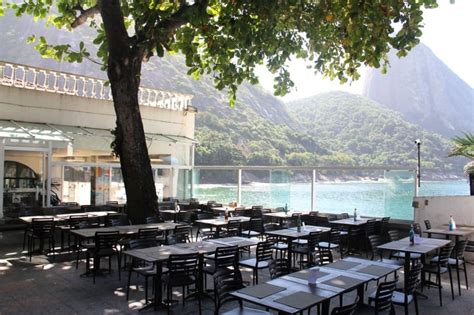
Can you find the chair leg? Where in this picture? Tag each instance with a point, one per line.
(415, 299)
(438, 278)
(465, 273)
(146, 289)
(459, 280)
(129, 279)
(451, 282)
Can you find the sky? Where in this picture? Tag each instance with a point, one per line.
(448, 30)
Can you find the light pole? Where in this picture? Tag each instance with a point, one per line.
(418, 169)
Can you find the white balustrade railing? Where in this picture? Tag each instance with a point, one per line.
(34, 78)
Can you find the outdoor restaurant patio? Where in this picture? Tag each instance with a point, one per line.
(55, 284)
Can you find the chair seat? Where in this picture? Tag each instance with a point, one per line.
(413, 256)
(252, 263)
(399, 298)
(328, 245)
(434, 269)
(250, 233)
(451, 261)
(280, 246)
(245, 311)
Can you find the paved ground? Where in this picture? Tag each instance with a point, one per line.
(44, 287)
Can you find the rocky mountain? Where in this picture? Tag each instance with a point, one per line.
(425, 91)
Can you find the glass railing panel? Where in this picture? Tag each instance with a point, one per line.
(215, 185)
(398, 196)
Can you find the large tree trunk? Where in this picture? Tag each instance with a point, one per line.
(124, 68)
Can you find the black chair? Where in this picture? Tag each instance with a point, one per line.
(204, 232)
(370, 227)
(334, 241)
(408, 294)
(278, 268)
(324, 256)
(232, 229)
(223, 258)
(382, 227)
(105, 245)
(427, 224)
(225, 282)
(264, 254)
(151, 234)
(280, 245)
(438, 266)
(417, 228)
(255, 228)
(308, 249)
(393, 235)
(346, 309)
(41, 229)
(383, 297)
(139, 267)
(459, 263)
(374, 242)
(181, 234)
(183, 272)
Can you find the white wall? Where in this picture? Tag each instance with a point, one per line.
(437, 209)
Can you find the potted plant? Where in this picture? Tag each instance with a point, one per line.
(464, 146)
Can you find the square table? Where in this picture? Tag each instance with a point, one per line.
(158, 255)
(281, 216)
(425, 246)
(220, 222)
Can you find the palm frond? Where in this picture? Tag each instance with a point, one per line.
(463, 146)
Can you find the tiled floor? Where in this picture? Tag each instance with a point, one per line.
(43, 287)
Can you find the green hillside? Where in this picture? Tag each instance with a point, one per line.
(367, 133)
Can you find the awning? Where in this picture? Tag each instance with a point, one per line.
(42, 131)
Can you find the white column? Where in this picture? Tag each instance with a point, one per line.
(2, 171)
(313, 181)
(239, 186)
(48, 174)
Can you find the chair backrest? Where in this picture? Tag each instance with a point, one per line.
(324, 256)
(445, 254)
(345, 215)
(346, 309)
(256, 225)
(186, 216)
(183, 264)
(256, 213)
(370, 227)
(226, 257)
(233, 227)
(374, 240)
(225, 282)
(181, 233)
(149, 234)
(393, 235)
(74, 221)
(413, 279)
(459, 249)
(278, 268)
(383, 225)
(106, 240)
(335, 235)
(313, 240)
(257, 208)
(383, 296)
(264, 251)
(427, 224)
(332, 217)
(313, 213)
(205, 215)
(42, 226)
(141, 243)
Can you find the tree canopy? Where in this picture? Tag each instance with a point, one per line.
(227, 39)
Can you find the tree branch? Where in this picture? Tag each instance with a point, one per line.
(85, 14)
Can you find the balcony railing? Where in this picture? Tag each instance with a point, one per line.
(34, 78)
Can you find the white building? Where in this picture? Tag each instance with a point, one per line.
(55, 138)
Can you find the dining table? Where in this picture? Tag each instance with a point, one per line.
(160, 254)
(220, 222)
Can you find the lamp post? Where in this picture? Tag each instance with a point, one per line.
(418, 169)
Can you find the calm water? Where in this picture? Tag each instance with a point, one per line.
(370, 198)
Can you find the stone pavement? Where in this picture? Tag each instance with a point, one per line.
(44, 287)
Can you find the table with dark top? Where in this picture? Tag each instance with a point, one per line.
(220, 222)
(281, 216)
(160, 254)
(175, 214)
(331, 282)
(423, 247)
(64, 217)
(123, 229)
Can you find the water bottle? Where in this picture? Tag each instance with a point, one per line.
(355, 214)
(412, 235)
(451, 223)
(286, 208)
